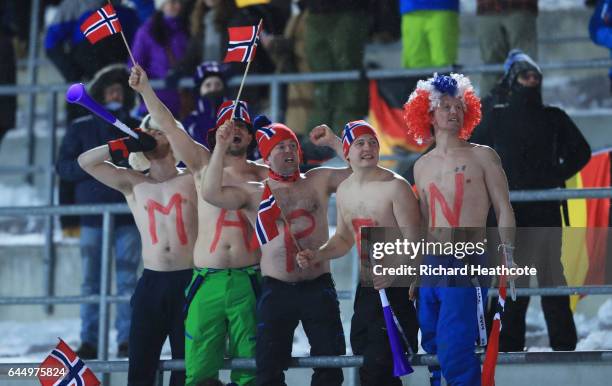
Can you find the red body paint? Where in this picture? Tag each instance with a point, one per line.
(290, 246)
(241, 223)
(359, 223)
(452, 216)
(175, 201)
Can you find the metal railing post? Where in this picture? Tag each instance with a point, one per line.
(103, 325)
(275, 100)
(49, 258)
(32, 80)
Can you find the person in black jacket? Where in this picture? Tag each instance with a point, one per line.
(109, 88)
(540, 147)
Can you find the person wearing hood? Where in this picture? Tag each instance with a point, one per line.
(159, 47)
(540, 148)
(210, 90)
(109, 88)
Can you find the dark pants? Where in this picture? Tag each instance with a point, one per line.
(281, 307)
(157, 313)
(539, 245)
(369, 333)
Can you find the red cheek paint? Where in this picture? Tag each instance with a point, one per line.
(290, 246)
(452, 216)
(222, 221)
(176, 201)
(359, 223)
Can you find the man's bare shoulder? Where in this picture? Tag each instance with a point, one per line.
(259, 169)
(485, 154)
(345, 186)
(423, 162)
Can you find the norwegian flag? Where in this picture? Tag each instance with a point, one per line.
(71, 370)
(101, 24)
(268, 213)
(242, 43)
(488, 367)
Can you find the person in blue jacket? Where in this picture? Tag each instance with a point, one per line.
(600, 28)
(109, 88)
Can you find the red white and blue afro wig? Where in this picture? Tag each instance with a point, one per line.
(426, 97)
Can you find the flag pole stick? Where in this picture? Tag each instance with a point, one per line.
(125, 40)
(246, 70)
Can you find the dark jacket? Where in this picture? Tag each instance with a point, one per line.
(83, 134)
(540, 146)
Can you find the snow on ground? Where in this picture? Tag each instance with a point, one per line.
(19, 195)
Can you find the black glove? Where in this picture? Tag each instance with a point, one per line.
(121, 148)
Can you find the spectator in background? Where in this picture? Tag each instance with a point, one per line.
(600, 28)
(336, 38)
(540, 147)
(210, 91)
(430, 32)
(208, 23)
(109, 88)
(289, 55)
(159, 46)
(275, 15)
(502, 26)
(8, 69)
(73, 56)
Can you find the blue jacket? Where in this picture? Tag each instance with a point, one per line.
(603, 9)
(83, 134)
(66, 25)
(428, 5)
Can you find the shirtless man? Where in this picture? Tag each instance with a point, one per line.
(163, 202)
(222, 294)
(289, 294)
(376, 197)
(457, 183)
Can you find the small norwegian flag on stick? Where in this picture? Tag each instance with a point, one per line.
(242, 47)
(64, 367)
(103, 23)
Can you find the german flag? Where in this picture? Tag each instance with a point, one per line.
(584, 251)
(386, 100)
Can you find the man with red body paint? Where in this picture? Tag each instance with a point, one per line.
(221, 296)
(289, 294)
(371, 197)
(164, 204)
(457, 183)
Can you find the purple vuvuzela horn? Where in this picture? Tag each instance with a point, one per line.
(77, 94)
